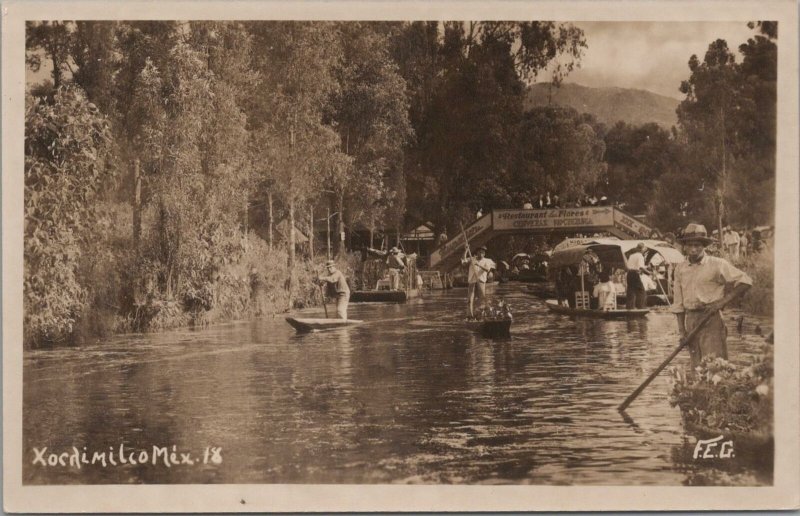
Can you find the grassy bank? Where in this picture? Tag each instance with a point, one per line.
(122, 292)
(759, 300)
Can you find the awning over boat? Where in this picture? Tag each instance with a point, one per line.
(612, 252)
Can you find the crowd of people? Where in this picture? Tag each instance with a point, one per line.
(735, 243)
(549, 201)
(546, 201)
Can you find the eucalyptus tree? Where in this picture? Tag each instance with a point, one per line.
(296, 63)
(710, 116)
(369, 111)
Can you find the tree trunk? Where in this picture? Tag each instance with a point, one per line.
(371, 236)
(720, 208)
(340, 239)
(328, 248)
(137, 206)
(269, 225)
(311, 233)
(722, 180)
(291, 250)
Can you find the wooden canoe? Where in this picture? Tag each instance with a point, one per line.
(307, 325)
(493, 328)
(553, 305)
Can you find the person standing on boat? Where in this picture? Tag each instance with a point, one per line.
(699, 286)
(479, 267)
(635, 294)
(395, 264)
(336, 279)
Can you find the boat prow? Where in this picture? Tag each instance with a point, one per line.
(308, 325)
(553, 305)
(491, 328)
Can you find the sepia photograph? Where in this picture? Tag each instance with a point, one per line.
(447, 249)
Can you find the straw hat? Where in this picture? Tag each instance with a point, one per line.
(696, 233)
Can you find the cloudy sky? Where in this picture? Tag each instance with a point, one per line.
(643, 55)
(649, 55)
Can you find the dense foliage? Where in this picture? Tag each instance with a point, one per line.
(67, 142)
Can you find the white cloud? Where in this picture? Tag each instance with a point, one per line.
(649, 55)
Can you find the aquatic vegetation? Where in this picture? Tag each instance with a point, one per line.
(730, 397)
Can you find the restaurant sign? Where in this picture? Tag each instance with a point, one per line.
(566, 218)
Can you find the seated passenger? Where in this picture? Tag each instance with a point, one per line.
(605, 292)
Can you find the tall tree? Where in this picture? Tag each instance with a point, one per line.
(49, 39)
(710, 115)
(559, 152)
(468, 82)
(296, 62)
(753, 186)
(370, 114)
(637, 157)
(93, 48)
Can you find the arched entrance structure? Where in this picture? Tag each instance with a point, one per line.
(590, 219)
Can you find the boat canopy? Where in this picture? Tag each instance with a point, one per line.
(612, 252)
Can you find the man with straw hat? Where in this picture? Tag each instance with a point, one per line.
(478, 274)
(395, 264)
(699, 287)
(336, 279)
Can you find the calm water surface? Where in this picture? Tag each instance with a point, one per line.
(408, 397)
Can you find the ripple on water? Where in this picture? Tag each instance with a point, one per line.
(410, 396)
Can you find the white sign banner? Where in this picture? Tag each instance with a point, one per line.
(631, 225)
(566, 218)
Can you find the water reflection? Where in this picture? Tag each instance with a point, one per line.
(409, 396)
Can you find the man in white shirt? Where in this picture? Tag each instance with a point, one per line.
(478, 274)
(732, 241)
(635, 295)
(699, 287)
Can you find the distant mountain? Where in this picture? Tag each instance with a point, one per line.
(609, 105)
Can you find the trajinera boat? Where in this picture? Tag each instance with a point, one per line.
(619, 313)
(575, 266)
(493, 321)
(308, 325)
(492, 328)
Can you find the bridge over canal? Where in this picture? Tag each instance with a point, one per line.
(590, 219)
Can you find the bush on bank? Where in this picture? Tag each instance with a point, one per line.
(759, 300)
(121, 294)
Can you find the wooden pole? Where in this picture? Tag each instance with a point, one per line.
(683, 343)
(466, 242)
(324, 304)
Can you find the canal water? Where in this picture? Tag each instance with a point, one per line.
(410, 396)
